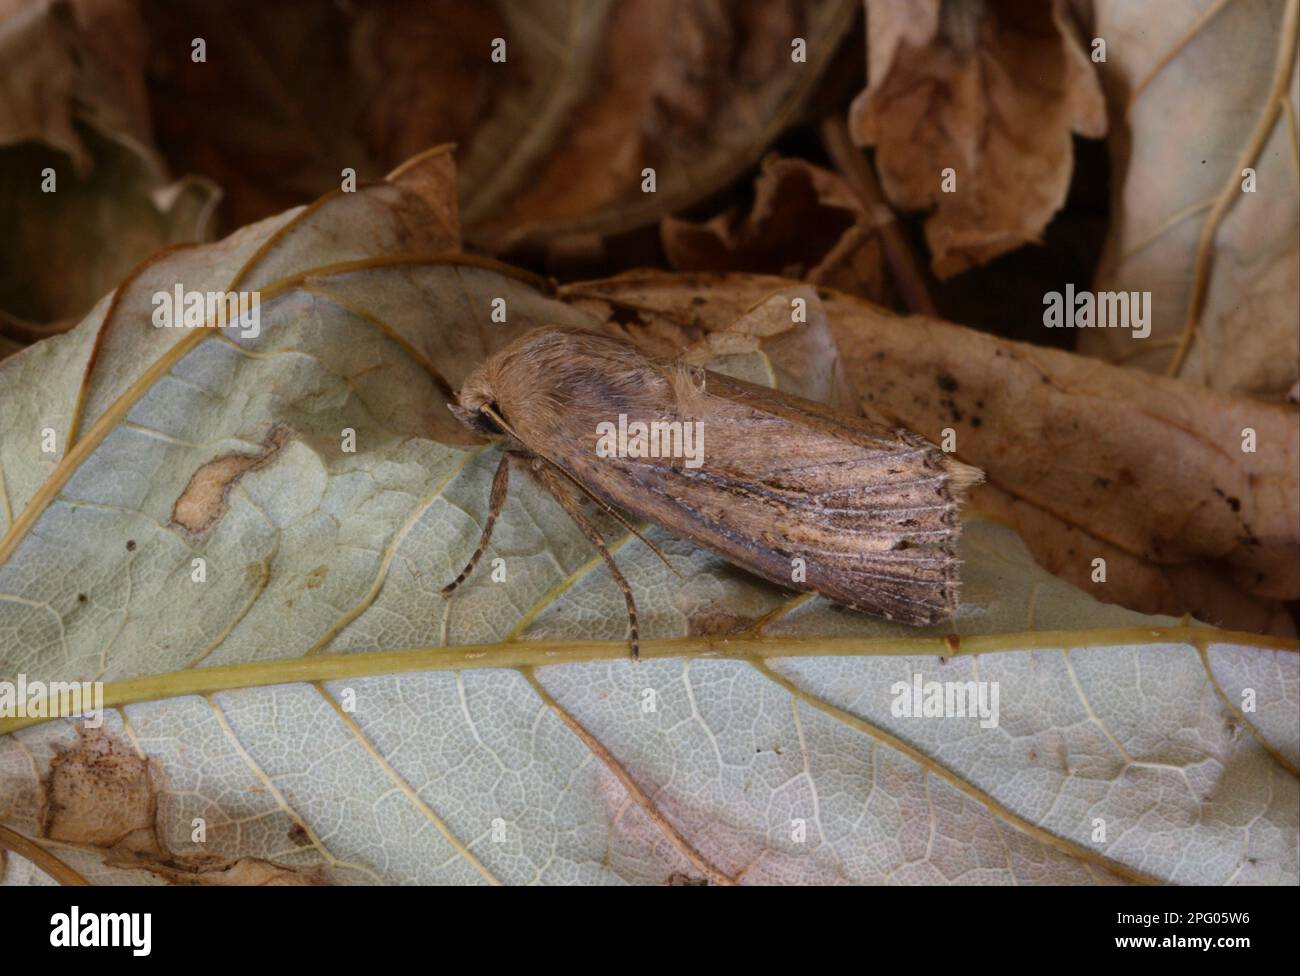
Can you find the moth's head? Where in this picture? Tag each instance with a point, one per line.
(475, 395)
(524, 383)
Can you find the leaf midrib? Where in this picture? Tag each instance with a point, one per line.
(515, 654)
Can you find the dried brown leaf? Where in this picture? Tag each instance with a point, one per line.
(804, 223)
(601, 89)
(992, 91)
(73, 109)
(1222, 265)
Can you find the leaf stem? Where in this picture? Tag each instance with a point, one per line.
(541, 653)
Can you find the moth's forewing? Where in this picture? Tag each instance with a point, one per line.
(784, 487)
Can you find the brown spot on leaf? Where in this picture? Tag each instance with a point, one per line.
(203, 502)
(709, 620)
(101, 794)
(316, 577)
(98, 792)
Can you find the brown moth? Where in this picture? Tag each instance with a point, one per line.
(761, 478)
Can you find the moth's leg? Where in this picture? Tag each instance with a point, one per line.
(558, 485)
(496, 500)
(617, 516)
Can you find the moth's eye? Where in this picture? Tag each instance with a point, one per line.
(486, 420)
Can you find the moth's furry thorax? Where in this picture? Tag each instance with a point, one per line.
(532, 382)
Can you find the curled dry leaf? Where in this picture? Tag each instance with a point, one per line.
(84, 194)
(327, 714)
(69, 62)
(692, 90)
(1186, 521)
(277, 123)
(1206, 214)
(804, 223)
(992, 91)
